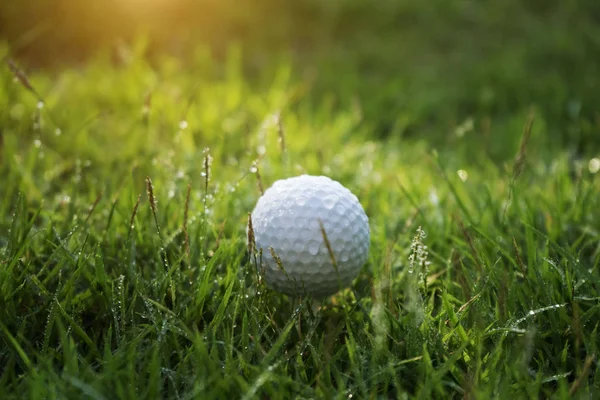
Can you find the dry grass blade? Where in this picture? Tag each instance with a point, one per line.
(520, 260)
(220, 235)
(520, 160)
(468, 303)
(281, 268)
(469, 239)
(328, 245)
(522, 154)
(21, 77)
(24, 80)
(134, 212)
(277, 259)
(584, 373)
(94, 204)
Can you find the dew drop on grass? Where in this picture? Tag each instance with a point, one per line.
(594, 165)
(183, 125)
(40, 105)
(37, 143)
(65, 199)
(253, 169)
(463, 175)
(58, 132)
(119, 295)
(433, 197)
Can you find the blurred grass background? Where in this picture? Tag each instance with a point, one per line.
(419, 69)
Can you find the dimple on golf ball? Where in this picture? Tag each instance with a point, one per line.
(318, 232)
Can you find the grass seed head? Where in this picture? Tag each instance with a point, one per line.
(521, 157)
(207, 167)
(417, 260)
(281, 132)
(21, 77)
(255, 169)
(250, 236)
(150, 193)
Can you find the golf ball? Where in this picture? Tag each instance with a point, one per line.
(311, 236)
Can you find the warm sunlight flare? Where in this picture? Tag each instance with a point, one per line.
(144, 8)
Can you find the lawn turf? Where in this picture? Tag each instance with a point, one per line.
(124, 272)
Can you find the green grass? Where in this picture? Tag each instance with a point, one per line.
(482, 280)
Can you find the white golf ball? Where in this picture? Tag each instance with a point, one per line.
(288, 222)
